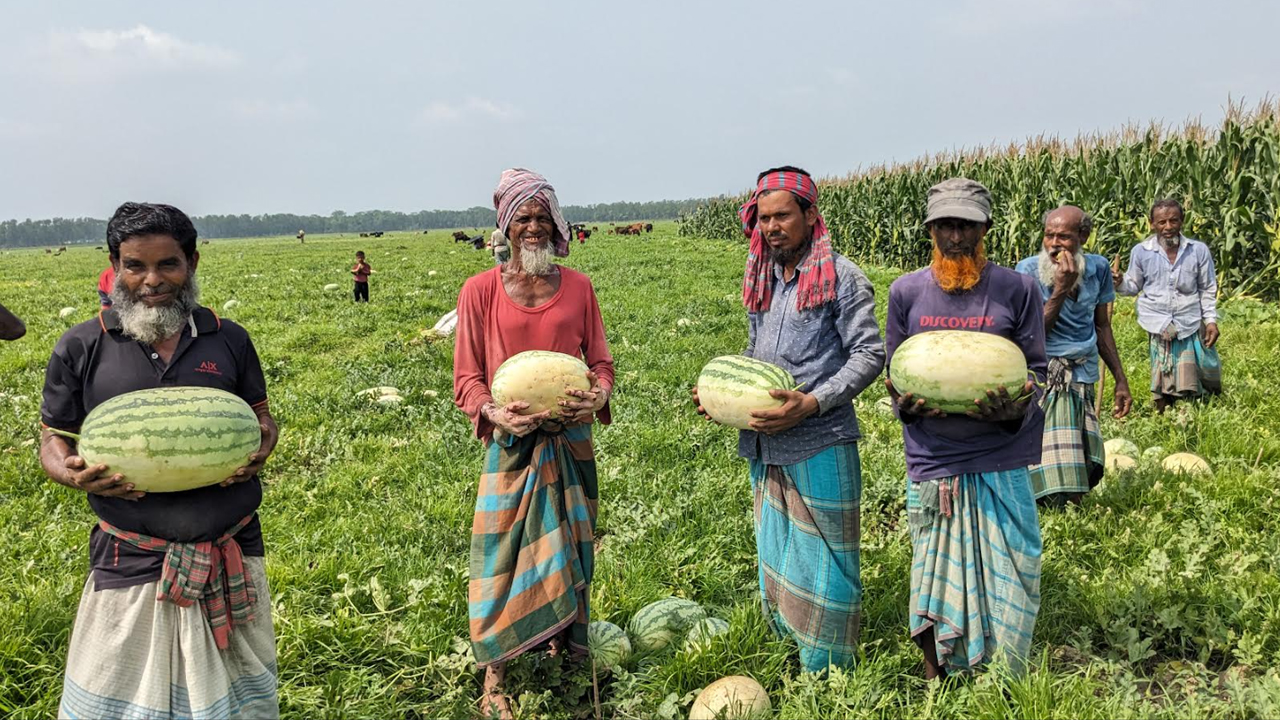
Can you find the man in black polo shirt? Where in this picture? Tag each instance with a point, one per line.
(132, 654)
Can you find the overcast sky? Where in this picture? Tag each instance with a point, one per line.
(308, 107)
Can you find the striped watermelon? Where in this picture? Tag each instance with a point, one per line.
(731, 386)
(538, 377)
(700, 634)
(658, 623)
(952, 368)
(608, 644)
(171, 439)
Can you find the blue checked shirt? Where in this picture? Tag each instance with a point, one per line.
(835, 350)
(1182, 293)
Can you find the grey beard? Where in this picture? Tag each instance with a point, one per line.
(1048, 269)
(1170, 244)
(153, 324)
(536, 262)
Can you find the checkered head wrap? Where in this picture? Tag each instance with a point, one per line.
(817, 271)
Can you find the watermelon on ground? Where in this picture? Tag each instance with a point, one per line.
(66, 312)
(1153, 454)
(700, 634)
(655, 625)
(952, 368)
(171, 438)
(1120, 446)
(1119, 463)
(736, 697)
(332, 287)
(1187, 464)
(608, 644)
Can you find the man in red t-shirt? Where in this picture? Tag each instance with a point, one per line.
(532, 554)
(106, 281)
(361, 273)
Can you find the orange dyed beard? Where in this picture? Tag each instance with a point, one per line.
(956, 275)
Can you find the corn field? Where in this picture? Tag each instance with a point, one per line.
(1227, 178)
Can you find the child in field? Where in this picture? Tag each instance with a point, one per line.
(361, 273)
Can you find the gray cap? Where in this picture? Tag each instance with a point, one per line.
(959, 198)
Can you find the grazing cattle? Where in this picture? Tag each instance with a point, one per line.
(594, 228)
(648, 227)
(376, 234)
(204, 242)
(459, 236)
(100, 247)
(364, 234)
(47, 251)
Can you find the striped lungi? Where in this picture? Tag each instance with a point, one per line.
(1072, 456)
(531, 543)
(132, 656)
(1183, 368)
(975, 571)
(807, 539)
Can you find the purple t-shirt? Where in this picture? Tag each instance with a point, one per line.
(1003, 303)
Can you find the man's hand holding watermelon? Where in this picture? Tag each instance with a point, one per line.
(270, 436)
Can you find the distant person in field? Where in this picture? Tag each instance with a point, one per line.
(106, 282)
(812, 313)
(975, 533)
(1077, 289)
(1177, 289)
(360, 272)
(532, 554)
(500, 247)
(175, 617)
(11, 326)
(302, 236)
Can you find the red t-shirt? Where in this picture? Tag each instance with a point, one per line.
(106, 281)
(492, 327)
(361, 271)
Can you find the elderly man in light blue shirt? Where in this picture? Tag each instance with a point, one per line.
(1173, 277)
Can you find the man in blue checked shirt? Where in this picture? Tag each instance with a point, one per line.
(1173, 277)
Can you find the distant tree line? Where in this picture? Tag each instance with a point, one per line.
(60, 231)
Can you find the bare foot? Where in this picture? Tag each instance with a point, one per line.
(554, 646)
(494, 703)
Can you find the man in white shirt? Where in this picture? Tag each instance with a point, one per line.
(1173, 277)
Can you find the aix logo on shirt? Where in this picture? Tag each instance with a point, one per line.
(209, 367)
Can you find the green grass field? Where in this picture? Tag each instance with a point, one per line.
(1161, 594)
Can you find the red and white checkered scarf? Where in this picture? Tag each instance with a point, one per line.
(516, 187)
(817, 272)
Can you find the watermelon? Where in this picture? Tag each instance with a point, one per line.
(1186, 463)
(658, 623)
(700, 634)
(170, 439)
(231, 305)
(952, 368)
(736, 697)
(380, 390)
(1153, 454)
(1119, 463)
(390, 399)
(66, 312)
(538, 377)
(731, 386)
(1120, 446)
(608, 644)
(332, 287)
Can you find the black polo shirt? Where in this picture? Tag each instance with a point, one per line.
(95, 361)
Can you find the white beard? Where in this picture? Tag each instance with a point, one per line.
(1048, 269)
(1170, 244)
(536, 262)
(153, 324)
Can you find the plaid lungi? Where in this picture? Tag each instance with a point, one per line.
(807, 539)
(133, 657)
(531, 543)
(1183, 368)
(975, 570)
(1073, 455)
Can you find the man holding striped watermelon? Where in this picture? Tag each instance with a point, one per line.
(975, 533)
(175, 617)
(812, 313)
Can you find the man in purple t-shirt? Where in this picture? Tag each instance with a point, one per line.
(975, 576)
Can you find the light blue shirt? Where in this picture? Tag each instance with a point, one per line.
(1075, 335)
(1183, 293)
